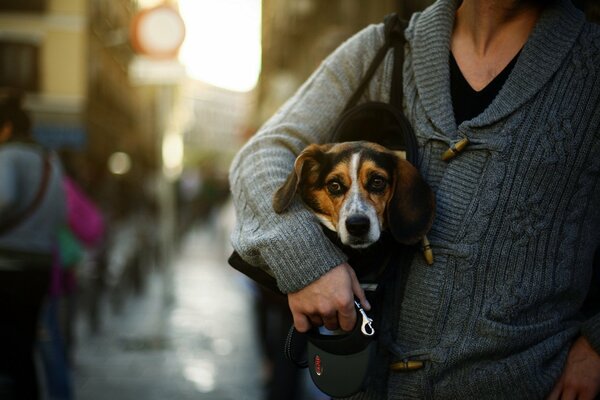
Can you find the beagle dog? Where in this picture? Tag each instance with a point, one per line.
(359, 189)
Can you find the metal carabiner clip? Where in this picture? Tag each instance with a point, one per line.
(367, 323)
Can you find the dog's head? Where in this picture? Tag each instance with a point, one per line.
(358, 189)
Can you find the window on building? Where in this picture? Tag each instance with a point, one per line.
(19, 65)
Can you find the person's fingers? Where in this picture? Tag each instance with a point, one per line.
(301, 322)
(580, 378)
(331, 322)
(358, 291)
(316, 320)
(556, 391)
(347, 315)
(568, 394)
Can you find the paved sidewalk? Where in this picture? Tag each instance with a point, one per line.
(201, 346)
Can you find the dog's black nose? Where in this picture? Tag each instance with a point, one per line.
(357, 225)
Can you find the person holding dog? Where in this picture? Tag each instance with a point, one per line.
(504, 98)
(32, 208)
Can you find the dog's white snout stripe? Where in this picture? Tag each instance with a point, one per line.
(356, 204)
(354, 201)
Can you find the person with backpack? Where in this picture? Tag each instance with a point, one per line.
(504, 99)
(32, 209)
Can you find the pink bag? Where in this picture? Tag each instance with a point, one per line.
(85, 219)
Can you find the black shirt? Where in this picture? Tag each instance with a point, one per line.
(467, 102)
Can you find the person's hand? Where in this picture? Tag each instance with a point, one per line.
(328, 301)
(581, 377)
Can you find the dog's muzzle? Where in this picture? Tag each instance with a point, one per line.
(359, 231)
(358, 225)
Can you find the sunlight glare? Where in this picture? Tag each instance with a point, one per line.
(222, 44)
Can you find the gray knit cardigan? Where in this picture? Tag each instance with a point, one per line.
(517, 220)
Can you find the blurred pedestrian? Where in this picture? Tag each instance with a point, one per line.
(81, 238)
(77, 239)
(32, 208)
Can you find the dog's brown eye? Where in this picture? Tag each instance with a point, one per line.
(335, 188)
(377, 184)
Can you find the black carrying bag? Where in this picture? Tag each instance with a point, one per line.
(339, 363)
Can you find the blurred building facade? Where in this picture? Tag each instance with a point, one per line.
(42, 51)
(73, 58)
(120, 116)
(132, 110)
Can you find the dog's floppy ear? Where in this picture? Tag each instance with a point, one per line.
(305, 164)
(411, 208)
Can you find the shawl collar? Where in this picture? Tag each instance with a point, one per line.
(542, 55)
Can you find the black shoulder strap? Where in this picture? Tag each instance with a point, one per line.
(397, 39)
(394, 37)
(17, 219)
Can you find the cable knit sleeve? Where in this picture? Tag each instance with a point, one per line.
(292, 245)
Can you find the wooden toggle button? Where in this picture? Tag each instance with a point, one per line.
(406, 365)
(455, 149)
(427, 251)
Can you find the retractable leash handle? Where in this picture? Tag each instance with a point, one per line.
(335, 342)
(340, 363)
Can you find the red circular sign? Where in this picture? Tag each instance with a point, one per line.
(157, 32)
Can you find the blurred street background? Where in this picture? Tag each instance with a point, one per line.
(146, 102)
